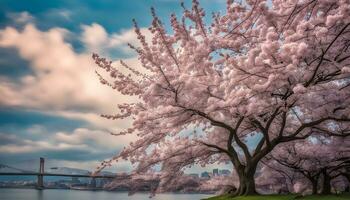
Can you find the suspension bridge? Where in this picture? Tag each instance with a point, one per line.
(41, 174)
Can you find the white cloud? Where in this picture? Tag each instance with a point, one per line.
(96, 39)
(36, 129)
(94, 119)
(21, 17)
(63, 83)
(66, 14)
(30, 146)
(123, 166)
(63, 80)
(82, 136)
(78, 139)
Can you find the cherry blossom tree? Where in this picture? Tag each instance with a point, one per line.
(136, 182)
(300, 162)
(347, 177)
(220, 184)
(276, 73)
(336, 165)
(318, 162)
(276, 178)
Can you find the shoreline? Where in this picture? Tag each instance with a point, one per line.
(100, 189)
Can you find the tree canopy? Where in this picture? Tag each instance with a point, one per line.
(273, 73)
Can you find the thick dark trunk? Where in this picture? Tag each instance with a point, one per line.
(326, 189)
(246, 181)
(347, 176)
(314, 186)
(250, 185)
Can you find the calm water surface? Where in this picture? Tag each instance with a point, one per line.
(53, 194)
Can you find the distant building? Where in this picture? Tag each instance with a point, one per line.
(224, 172)
(75, 180)
(93, 183)
(215, 172)
(205, 175)
(194, 175)
(103, 182)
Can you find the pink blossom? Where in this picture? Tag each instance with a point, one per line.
(280, 74)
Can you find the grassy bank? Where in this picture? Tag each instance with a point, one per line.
(284, 197)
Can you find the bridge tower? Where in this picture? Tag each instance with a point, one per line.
(41, 176)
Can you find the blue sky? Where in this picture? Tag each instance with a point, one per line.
(50, 97)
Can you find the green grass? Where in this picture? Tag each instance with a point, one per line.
(257, 197)
(284, 197)
(327, 197)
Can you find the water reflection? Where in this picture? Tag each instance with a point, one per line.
(55, 194)
(40, 194)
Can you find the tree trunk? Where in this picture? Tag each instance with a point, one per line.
(314, 186)
(347, 176)
(246, 181)
(326, 189)
(314, 182)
